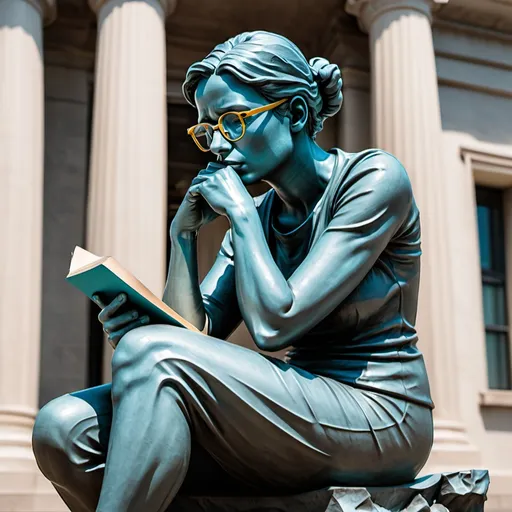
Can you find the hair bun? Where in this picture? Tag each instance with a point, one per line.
(328, 77)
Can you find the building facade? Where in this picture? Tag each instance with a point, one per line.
(93, 152)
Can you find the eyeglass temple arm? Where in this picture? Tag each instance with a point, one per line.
(249, 113)
(258, 110)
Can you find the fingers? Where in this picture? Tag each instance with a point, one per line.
(97, 300)
(195, 187)
(198, 179)
(109, 310)
(204, 174)
(214, 166)
(114, 337)
(117, 326)
(195, 190)
(117, 322)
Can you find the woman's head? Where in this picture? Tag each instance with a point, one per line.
(261, 68)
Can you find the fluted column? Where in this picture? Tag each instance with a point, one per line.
(127, 207)
(21, 198)
(406, 122)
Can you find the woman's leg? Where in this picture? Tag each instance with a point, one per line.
(70, 440)
(269, 424)
(149, 449)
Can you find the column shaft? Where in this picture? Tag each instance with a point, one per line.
(127, 207)
(128, 175)
(407, 123)
(21, 194)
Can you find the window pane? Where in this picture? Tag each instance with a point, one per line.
(494, 305)
(492, 261)
(484, 236)
(498, 366)
(498, 238)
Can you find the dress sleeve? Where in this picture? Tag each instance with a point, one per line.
(373, 201)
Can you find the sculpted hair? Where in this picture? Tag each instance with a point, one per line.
(278, 69)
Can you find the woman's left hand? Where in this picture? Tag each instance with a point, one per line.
(223, 189)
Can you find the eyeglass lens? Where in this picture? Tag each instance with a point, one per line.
(232, 126)
(204, 135)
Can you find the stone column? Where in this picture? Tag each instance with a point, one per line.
(406, 122)
(127, 206)
(21, 198)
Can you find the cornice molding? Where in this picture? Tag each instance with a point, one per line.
(489, 167)
(367, 11)
(169, 6)
(458, 27)
(491, 15)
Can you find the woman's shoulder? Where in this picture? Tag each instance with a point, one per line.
(370, 181)
(371, 167)
(373, 159)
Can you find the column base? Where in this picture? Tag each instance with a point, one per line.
(28, 492)
(16, 424)
(452, 450)
(22, 486)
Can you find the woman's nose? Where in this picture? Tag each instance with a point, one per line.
(220, 145)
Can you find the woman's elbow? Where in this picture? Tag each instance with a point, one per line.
(270, 340)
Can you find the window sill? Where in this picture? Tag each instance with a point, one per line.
(496, 398)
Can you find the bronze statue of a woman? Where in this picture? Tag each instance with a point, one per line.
(326, 263)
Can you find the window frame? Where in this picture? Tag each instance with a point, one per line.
(492, 198)
(491, 167)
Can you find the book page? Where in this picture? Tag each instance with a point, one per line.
(86, 273)
(81, 258)
(123, 274)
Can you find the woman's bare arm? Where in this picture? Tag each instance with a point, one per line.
(182, 292)
(215, 299)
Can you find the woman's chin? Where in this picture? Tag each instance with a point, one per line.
(250, 178)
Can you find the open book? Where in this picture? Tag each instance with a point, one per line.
(104, 275)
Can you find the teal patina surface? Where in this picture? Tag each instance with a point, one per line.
(326, 264)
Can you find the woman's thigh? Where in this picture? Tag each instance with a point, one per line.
(90, 433)
(273, 424)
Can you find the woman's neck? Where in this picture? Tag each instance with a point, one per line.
(300, 181)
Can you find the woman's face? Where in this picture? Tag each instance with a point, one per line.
(267, 142)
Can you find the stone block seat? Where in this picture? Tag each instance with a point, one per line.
(463, 491)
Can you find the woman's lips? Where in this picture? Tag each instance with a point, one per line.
(238, 166)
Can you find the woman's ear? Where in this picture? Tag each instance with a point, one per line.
(298, 113)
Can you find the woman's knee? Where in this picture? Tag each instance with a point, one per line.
(143, 349)
(57, 433)
(142, 345)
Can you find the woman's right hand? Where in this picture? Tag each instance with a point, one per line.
(194, 211)
(117, 325)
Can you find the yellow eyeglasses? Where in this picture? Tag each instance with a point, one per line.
(230, 124)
